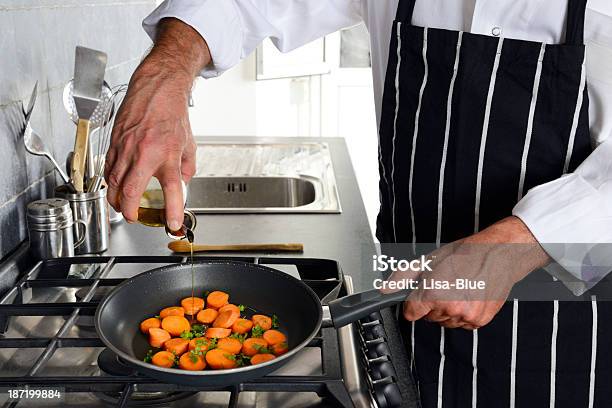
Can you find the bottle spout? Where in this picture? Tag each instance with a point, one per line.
(186, 231)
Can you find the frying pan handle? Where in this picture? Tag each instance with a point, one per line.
(351, 308)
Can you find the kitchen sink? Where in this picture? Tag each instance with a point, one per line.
(256, 178)
(250, 192)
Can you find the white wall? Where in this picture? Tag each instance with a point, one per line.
(225, 106)
(235, 104)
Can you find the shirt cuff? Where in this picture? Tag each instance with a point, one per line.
(217, 21)
(572, 222)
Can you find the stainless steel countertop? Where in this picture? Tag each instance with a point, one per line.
(344, 237)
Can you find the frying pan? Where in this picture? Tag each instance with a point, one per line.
(263, 289)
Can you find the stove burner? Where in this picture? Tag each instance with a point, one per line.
(144, 399)
(111, 364)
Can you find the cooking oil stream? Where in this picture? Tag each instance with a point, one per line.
(190, 238)
(151, 212)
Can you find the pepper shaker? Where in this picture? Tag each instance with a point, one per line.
(50, 228)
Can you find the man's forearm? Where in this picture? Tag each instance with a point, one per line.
(179, 52)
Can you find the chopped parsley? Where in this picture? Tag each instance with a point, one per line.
(212, 343)
(240, 337)
(261, 349)
(197, 330)
(240, 359)
(194, 355)
(241, 308)
(257, 331)
(187, 335)
(275, 324)
(149, 357)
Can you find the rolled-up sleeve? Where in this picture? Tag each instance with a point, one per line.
(234, 28)
(571, 217)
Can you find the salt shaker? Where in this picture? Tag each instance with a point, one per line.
(50, 227)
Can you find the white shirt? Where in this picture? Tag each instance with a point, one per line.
(565, 215)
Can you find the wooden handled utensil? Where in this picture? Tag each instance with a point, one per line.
(89, 67)
(183, 247)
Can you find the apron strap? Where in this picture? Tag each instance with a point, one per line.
(405, 10)
(574, 32)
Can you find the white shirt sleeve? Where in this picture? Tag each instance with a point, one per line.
(234, 28)
(571, 217)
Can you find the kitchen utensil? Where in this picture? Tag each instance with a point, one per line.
(89, 68)
(27, 112)
(34, 145)
(91, 208)
(263, 289)
(32, 141)
(105, 130)
(50, 228)
(184, 247)
(99, 117)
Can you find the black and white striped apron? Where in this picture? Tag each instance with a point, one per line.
(469, 124)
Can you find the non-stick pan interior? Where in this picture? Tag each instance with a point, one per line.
(265, 290)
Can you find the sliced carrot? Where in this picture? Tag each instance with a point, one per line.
(242, 326)
(253, 345)
(262, 358)
(262, 321)
(207, 316)
(192, 362)
(175, 325)
(280, 348)
(217, 299)
(176, 346)
(230, 345)
(229, 306)
(172, 311)
(218, 359)
(226, 319)
(192, 305)
(157, 337)
(217, 332)
(163, 359)
(148, 324)
(202, 342)
(274, 337)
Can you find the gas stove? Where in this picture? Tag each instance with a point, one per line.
(49, 342)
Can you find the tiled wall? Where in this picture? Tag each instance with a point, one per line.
(37, 41)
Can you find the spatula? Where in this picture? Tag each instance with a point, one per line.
(89, 67)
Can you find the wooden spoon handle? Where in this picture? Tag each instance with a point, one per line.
(183, 247)
(79, 158)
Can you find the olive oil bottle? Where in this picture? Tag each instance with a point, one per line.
(152, 212)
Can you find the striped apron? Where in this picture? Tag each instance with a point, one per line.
(469, 124)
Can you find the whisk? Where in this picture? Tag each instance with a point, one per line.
(110, 109)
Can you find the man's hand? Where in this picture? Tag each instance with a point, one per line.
(500, 255)
(151, 134)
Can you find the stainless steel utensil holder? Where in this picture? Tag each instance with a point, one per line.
(91, 208)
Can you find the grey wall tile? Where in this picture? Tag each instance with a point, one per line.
(37, 43)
